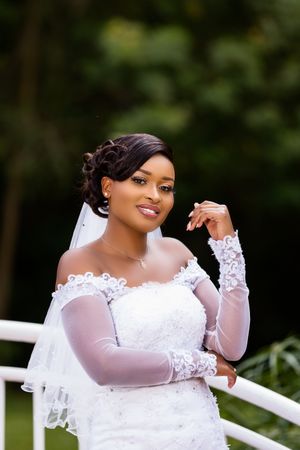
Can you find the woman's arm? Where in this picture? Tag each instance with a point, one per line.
(89, 328)
(227, 310)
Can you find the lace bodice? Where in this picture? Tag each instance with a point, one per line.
(144, 318)
(143, 322)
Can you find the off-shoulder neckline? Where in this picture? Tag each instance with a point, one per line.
(87, 276)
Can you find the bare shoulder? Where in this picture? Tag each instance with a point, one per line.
(74, 261)
(176, 247)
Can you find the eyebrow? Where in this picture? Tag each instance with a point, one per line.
(146, 172)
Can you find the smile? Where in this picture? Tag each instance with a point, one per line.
(148, 210)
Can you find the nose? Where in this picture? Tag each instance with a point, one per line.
(153, 193)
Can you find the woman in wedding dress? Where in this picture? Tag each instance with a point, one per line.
(135, 324)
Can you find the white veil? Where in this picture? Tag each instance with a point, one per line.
(69, 393)
(89, 227)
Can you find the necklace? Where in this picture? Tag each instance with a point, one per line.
(140, 260)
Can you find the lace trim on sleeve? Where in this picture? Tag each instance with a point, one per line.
(188, 364)
(88, 284)
(191, 275)
(229, 253)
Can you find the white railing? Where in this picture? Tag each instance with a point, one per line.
(16, 375)
(263, 398)
(243, 389)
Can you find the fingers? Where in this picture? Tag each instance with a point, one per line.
(232, 378)
(205, 212)
(200, 217)
(224, 368)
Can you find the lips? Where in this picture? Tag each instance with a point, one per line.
(149, 210)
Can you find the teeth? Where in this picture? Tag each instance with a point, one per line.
(149, 211)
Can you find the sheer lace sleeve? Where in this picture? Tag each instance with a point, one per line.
(89, 327)
(227, 310)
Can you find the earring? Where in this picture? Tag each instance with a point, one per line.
(105, 194)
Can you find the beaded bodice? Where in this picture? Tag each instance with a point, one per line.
(152, 316)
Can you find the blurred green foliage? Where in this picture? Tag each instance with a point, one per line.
(218, 80)
(276, 367)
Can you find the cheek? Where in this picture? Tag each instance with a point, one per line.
(121, 193)
(122, 198)
(169, 203)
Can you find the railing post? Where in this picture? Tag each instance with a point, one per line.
(38, 427)
(2, 414)
(82, 444)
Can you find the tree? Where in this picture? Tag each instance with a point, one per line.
(217, 80)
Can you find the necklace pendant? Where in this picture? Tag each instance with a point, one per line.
(143, 264)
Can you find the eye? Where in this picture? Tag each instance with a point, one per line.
(167, 188)
(139, 180)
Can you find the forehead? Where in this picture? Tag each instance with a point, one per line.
(159, 165)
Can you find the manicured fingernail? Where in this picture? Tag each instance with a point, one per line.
(191, 214)
(188, 226)
(196, 204)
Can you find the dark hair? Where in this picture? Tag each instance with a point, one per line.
(117, 159)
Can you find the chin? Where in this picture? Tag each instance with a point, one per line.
(149, 228)
(144, 225)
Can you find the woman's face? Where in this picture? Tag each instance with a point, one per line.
(144, 200)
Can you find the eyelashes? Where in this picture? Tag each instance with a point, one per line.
(142, 181)
(139, 180)
(166, 188)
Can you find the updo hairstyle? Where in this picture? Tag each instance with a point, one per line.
(117, 159)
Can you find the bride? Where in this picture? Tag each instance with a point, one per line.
(135, 323)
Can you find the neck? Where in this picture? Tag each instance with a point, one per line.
(125, 238)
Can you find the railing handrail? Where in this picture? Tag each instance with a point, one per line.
(260, 396)
(243, 389)
(16, 374)
(12, 330)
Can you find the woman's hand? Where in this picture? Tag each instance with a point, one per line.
(215, 217)
(224, 369)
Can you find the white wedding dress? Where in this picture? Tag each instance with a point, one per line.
(140, 383)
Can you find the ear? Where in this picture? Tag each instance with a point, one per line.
(106, 184)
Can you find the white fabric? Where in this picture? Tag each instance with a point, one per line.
(147, 320)
(90, 330)
(89, 227)
(228, 315)
(155, 320)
